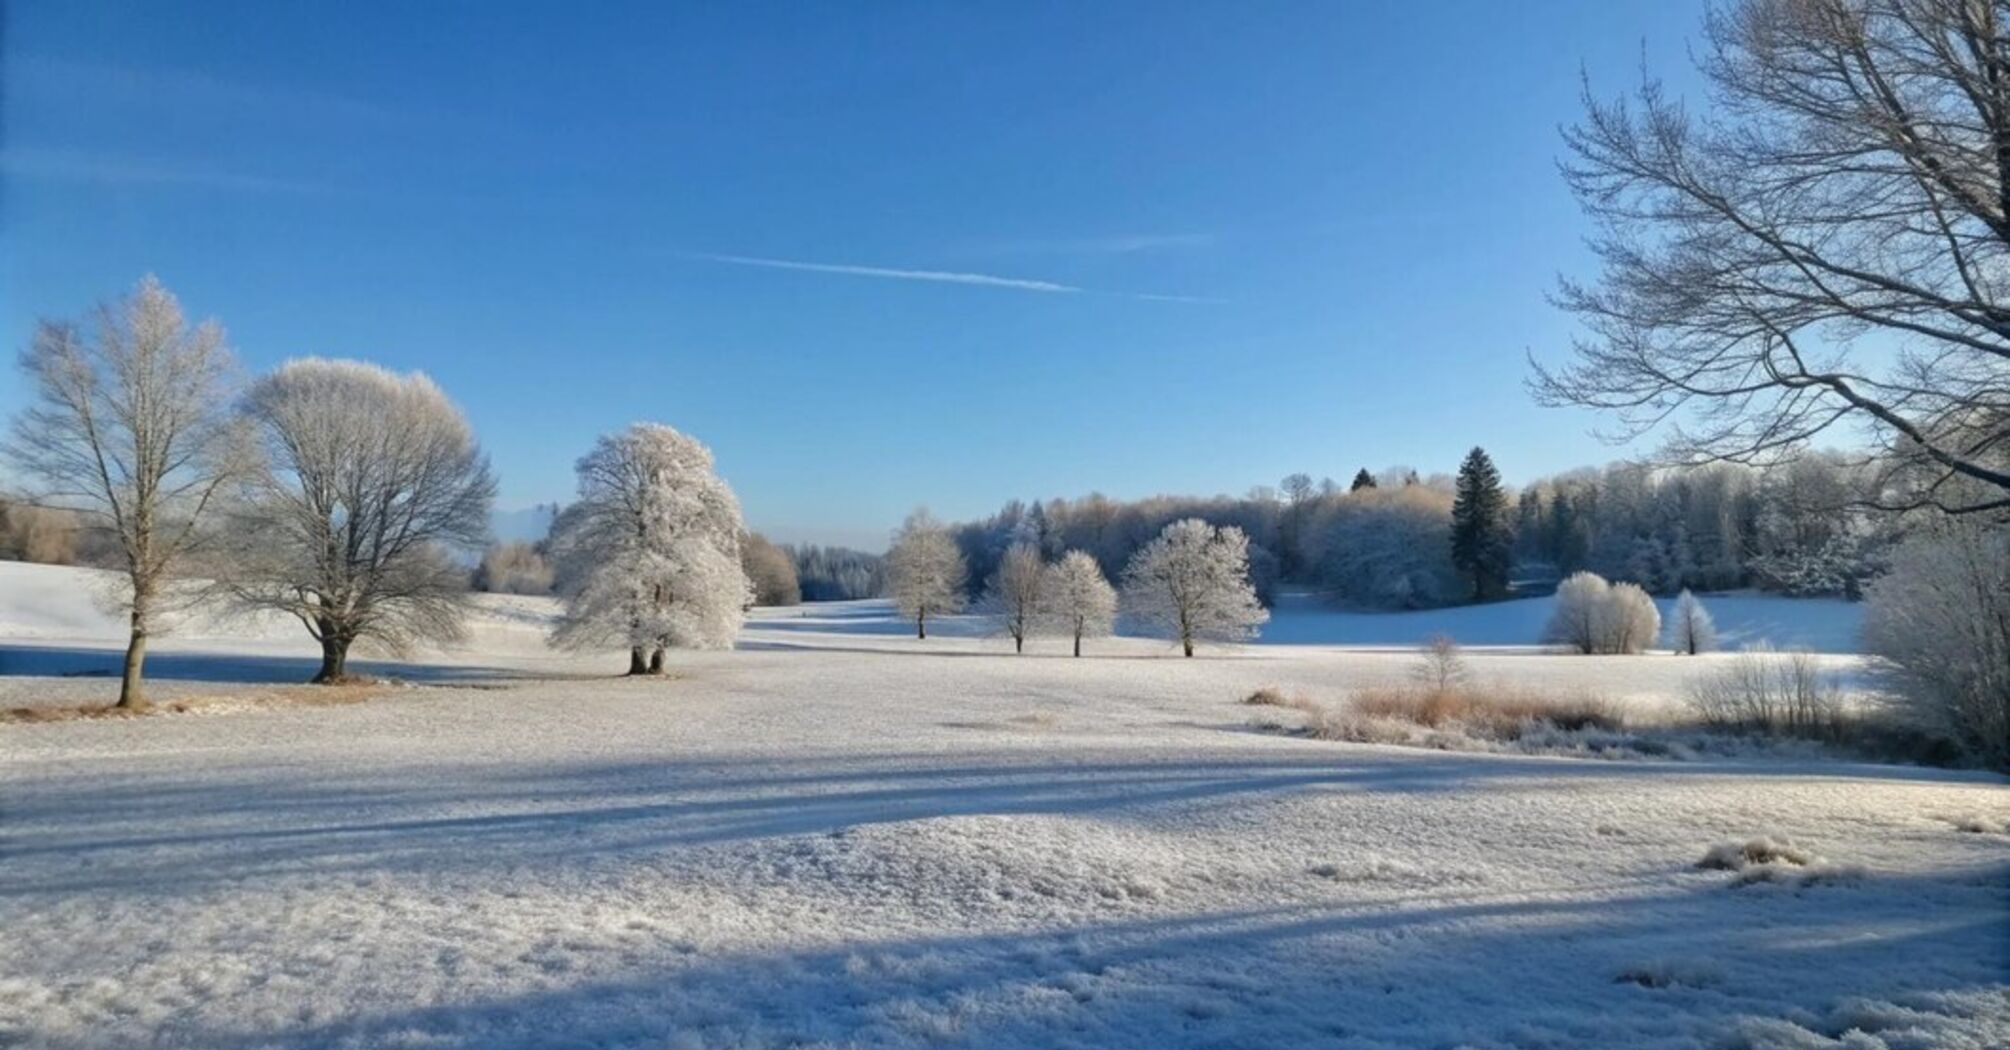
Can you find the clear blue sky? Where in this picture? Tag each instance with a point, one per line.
(1203, 245)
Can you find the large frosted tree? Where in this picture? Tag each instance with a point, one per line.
(925, 572)
(128, 423)
(372, 483)
(1077, 600)
(1482, 547)
(648, 558)
(1192, 584)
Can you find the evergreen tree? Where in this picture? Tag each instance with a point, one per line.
(1362, 480)
(1481, 547)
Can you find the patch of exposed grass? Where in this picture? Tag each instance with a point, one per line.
(280, 696)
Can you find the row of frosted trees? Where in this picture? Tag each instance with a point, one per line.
(340, 494)
(1189, 584)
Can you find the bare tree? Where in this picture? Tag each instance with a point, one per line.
(1015, 594)
(1078, 600)
(130, 425)
(371, 480)
(1440, 663)
(649, 556)
(925, 572)
(1192, 583)
(1830, 248)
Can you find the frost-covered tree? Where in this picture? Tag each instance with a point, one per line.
(1482, 547)
(1016, 593)
(129, 425)
(771, 571)
(1440, 663)
(1690, 629)
(1388, 547)
(837, 574)
(371, 481)
(1941, 616)
(1630, 622)
(1580, 600)
(1593, 615)
(513, 568)
(925, 573)
(1192, 583)
(1078, 601)
(649, 555)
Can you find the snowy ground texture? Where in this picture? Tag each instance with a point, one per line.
(837, 836)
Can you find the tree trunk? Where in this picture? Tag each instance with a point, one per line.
(921, 626)
(1019, 644)
(1078, 643)
(656, 661)
(637, 662)
(131, 696)
(334, 660)
(1187, 644)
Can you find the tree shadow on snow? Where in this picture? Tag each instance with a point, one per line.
(1420, 968)
(59, 661)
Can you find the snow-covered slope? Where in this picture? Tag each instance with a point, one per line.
(838, 836)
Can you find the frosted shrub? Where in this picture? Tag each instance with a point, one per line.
(1628, 621)
(1941, 616)
(1594, 616)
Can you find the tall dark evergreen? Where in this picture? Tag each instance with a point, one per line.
(1362, 480)
(1482, 548)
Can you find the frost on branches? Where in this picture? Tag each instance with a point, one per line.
(649, 557)
(1078, 601)
(1192, 583)
(925, 573)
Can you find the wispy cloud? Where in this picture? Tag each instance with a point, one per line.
(66, 166)
(941, 276)
(938, 276)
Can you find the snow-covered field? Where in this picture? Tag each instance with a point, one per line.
(839, 836)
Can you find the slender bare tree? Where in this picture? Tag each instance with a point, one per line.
(372, 479)
(925, 573)
(1829, 248)
(130, 425)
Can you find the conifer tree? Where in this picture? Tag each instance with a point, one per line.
(1481, 547)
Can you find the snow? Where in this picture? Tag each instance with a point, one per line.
(840, 836)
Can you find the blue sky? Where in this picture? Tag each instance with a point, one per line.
(874, 254)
